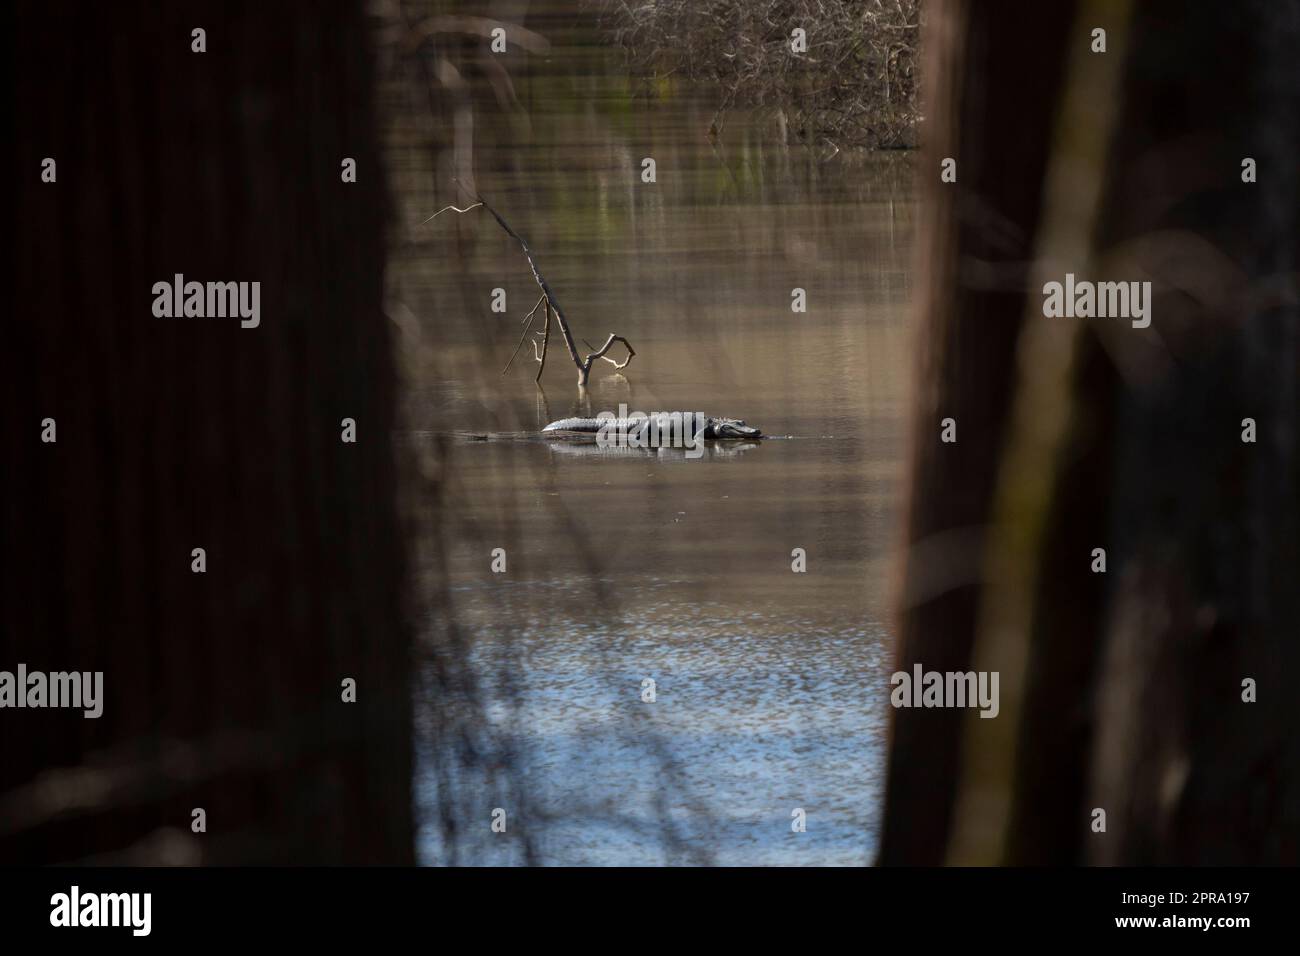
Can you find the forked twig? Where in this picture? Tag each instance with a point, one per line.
(600, 353)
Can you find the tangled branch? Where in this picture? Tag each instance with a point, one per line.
(856, 84)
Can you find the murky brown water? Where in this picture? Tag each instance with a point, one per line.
(634, 565)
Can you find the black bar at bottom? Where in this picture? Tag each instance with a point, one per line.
(332, 906)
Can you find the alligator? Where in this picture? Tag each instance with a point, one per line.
(656, 428)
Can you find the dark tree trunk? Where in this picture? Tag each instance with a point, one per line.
(977, 242)
(1206, 527)
(1131, 697)
(222, 689)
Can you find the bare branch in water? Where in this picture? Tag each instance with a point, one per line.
(552, 306)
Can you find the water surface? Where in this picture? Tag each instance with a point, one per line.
(632, 565)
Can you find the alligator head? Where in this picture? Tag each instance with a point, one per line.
(730, 428)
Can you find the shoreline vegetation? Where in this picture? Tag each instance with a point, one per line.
(834, 74)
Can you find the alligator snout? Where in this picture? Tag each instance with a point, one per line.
(730, 428)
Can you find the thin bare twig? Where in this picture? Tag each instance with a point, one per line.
(528, 321)
(546, 339)
(453, 209)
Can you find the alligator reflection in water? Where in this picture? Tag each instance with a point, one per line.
(574, 448)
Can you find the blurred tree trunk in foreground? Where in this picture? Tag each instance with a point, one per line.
(222, 689)
(1120, 691)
